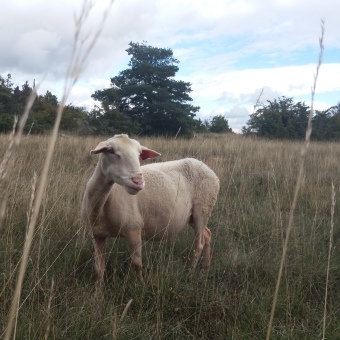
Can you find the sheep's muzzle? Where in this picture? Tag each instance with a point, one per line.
(136, 183)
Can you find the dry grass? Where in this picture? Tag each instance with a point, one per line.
(41, 231)
(257, 185)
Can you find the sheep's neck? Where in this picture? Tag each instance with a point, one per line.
(99, 189)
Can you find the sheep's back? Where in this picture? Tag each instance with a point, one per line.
(188, 178)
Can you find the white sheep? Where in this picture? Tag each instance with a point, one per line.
(116, 203)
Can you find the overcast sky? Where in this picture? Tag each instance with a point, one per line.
(229, 50)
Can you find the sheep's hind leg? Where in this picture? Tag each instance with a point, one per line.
(198, 247)
(206, 249)
(99, 257)
(202, 240)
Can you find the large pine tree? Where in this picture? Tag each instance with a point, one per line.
(148, 94)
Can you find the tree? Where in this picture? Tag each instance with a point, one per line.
(334, 114)
(73, 118)
(148, 94)
(6, 104)
(326, 124)
(219, 124)
(281, 118)
(51, 98)
(44, 111)
(12, 102)
(105, 120)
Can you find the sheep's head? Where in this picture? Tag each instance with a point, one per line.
(120, 161)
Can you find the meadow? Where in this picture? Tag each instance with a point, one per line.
(59, 299)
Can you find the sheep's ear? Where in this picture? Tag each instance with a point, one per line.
(148, 153)
(102, 146)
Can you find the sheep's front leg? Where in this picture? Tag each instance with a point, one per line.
(99, 257)
(134, 240)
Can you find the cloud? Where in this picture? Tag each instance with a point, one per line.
(237, 87)
(35, 59)
(229, 50)
(237, 117)
(260, 95)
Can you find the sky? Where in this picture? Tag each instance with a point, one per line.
(231, 51)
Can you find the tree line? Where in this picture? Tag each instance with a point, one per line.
(146, 99)
(41, 119)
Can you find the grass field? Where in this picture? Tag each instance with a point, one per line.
(233, 301)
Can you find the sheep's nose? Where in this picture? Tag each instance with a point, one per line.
(138, 178)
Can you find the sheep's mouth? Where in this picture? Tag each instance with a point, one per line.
(133, 188)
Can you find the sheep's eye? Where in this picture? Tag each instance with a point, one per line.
(110, 150)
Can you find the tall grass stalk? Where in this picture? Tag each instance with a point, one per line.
(328, 262)
(299, 180)
(49, 311)
(76, 66)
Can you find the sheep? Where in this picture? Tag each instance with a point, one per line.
(153, 201)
